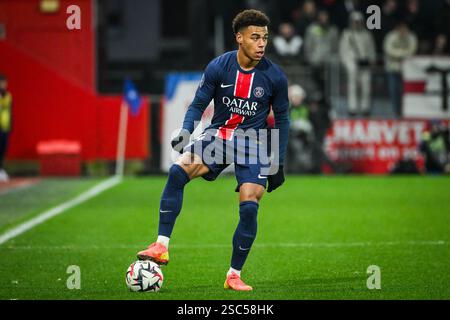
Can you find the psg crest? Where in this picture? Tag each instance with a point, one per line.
(258, 92)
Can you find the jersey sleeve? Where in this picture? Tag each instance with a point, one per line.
(280, 106)
(203, 96)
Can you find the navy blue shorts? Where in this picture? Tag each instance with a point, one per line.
(250, 157)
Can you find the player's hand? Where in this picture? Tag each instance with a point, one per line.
(276, 179)
(181, 140)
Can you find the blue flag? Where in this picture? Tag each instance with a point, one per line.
(131, 96)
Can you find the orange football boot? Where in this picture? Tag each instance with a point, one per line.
(156, 252)
(234, 282)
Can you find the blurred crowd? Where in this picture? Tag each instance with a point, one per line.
(435, 147)
(319, 32)
(316, 33)
(428, 20)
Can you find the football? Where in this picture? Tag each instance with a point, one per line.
(144, 276)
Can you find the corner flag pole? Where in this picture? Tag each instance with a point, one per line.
(122, 139)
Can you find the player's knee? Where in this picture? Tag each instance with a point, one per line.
(251, 193)
(188, 159)
(192, 165)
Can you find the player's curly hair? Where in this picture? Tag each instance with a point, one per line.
(249, 17)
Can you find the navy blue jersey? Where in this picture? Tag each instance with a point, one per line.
(242, 99)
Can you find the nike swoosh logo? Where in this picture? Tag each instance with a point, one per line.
(243, 248)
(261, 177)
(165, 211)
(226, 85)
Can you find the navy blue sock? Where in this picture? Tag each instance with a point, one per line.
(171, 199)
(245, 233)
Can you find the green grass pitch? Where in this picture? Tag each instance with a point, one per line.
(316, 238)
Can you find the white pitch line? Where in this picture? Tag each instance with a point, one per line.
(259, 245)
(44, 216)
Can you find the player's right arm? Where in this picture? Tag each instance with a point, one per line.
(203, 96)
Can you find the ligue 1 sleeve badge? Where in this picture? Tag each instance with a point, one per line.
(258, 92)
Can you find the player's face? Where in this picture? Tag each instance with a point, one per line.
(253, 41)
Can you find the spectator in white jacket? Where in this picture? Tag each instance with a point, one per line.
(358, 54)
(398, 45)
(320, 48)
(287, 43)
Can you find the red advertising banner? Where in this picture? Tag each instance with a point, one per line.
(375, 146)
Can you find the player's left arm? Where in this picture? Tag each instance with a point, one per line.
(280, 107)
